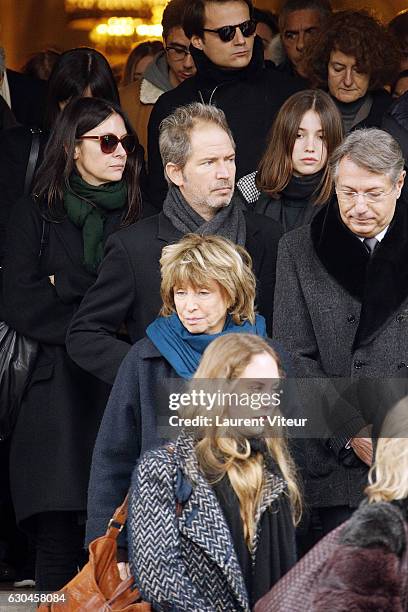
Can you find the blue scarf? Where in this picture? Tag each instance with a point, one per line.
(184, 350)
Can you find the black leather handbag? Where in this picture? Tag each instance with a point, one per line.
(17, 358)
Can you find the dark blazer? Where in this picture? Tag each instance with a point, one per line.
(249, 97)
(128, 289)
(52, 444)
(342, 315)
(28, 97)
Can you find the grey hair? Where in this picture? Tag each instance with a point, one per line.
(290, 6)
(175, 130)
(372, 149)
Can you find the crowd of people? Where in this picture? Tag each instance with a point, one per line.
(232, 216)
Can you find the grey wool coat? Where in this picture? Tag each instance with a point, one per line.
(343, 315)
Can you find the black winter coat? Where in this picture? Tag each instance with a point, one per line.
(53, 440)
(128, 289)
(28, 97)
(15, 145)
(250, 99)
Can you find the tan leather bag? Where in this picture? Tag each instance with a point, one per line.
(98, 586)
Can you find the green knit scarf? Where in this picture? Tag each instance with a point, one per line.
(87, 207)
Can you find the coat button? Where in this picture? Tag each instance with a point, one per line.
(358, 364)
(399, 318)
(401, 365)
(351, 319)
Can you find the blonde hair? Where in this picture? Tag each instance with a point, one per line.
(195, 260)
(388, 476)
(225, 451)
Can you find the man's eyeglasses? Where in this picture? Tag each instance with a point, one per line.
(370, 196)
(177, 53)
(109, 142)
(227, 33)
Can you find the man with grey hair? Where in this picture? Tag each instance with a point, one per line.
(299, 22)
(341, 309)
(198, 155)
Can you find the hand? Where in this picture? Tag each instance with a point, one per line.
(124, 570)
(363, 447)
(52, 279)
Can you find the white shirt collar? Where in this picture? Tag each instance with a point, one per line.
(379, 236)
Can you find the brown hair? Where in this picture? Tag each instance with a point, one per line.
(220, 452)
(149, 48)
(276, 167)
(173, 16)
(197, 259)
(194, 15)
(360, 35)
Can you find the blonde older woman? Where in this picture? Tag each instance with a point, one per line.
(208, 290)
(211, 516)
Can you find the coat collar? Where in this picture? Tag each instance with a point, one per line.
(203, 522)
(379, 283)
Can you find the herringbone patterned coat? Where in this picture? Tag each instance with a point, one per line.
(187, 562)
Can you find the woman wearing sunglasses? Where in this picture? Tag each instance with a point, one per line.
(87, 187)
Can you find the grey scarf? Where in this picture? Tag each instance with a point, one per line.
(229, 222)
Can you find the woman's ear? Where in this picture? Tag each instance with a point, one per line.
(77, 151)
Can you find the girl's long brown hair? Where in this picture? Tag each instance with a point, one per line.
(276, 168)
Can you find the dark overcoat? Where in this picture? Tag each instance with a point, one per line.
(342, 315)
(52, 443)
(128, 289)
(127, 430)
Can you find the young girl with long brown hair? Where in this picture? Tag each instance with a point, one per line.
(293, 179)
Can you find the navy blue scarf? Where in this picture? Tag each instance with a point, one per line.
(183, 350)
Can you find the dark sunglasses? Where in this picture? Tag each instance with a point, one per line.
(109, 142)
(227, 33)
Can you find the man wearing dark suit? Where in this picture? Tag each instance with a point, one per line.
(341, 309)
(198, 154)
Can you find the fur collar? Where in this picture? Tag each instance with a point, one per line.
(149, 93)
(380, 284)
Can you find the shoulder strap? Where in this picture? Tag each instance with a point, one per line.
(32, 159)
(118, 520)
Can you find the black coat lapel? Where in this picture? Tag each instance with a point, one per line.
(380, 284)
(386, 285)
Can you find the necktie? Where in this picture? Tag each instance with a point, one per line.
(370, 244)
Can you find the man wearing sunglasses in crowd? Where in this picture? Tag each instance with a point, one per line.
(170, 68)
(231, 75)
